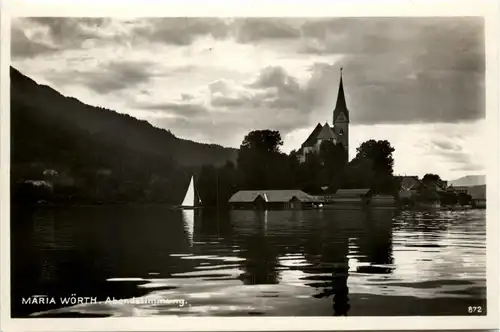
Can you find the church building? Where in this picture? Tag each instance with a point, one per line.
(338, 133)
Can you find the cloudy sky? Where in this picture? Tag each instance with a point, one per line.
(418, 82)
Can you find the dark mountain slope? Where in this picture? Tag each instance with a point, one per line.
(98, 154)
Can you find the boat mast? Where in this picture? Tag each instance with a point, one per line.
(217, 207)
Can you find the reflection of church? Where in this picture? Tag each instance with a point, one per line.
(338, 133)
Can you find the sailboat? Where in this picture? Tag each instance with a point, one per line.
(191, 199)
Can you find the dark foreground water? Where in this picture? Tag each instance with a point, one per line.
(332, 262)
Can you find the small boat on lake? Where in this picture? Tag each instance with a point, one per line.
(191, 199)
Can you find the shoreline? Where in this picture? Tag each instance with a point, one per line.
(227, 208)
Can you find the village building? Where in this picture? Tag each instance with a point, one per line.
(338, 133)
(459, 189)
(409, 186)
(478, 196)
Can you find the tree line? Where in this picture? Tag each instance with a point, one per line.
(432, 189)
(262, 165)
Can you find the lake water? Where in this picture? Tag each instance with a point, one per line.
(234, 263)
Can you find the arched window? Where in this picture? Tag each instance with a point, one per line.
(341, 132)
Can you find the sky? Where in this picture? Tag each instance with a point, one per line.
(417, 82)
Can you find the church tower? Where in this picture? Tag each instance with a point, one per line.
(341, 117)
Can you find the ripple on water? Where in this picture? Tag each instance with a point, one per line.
(259, 264)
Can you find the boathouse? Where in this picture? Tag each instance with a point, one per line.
(271, 199)
(351, 196)
(383, 200)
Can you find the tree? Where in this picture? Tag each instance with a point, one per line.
(431, 178)
(373, 167)
(359, 174)
(207, 185)
(227, 182)
(333, 158)
(448, 198)
(308, 175)
(429, 190)
(464, 199)
(260, 161)
(380, 153)
(263, 141)
(428, 194)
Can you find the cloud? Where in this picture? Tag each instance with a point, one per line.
(275, 99)
(449, 149)
(227, 130)
(35, 36)
(250, 30)
(107, 78)
(230, 76)
(406, 35)
(286, 90)
(180, 31)
(446, 145)
(187, 96)
(467, 168)
(454, 151)
(232, 109)
(402, 70)
(23, 47)
(70, 31)
(379, 92)
(177, 110)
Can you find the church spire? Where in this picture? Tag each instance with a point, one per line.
(341, 106)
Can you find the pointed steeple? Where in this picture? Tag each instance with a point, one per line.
(341, 106)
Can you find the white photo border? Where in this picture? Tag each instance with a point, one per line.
(258, 8)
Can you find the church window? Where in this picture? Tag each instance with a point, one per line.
(341, 131)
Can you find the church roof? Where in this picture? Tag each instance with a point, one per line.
(326, 133)
(311, 140)
(341, 106)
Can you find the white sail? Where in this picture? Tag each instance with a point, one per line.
(189, 199)
(188, 218)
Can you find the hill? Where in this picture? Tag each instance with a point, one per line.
(84, 153)
(477, 192)
(469, 180)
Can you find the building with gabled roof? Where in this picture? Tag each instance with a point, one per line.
(409, 186)
(360, 196)
(338, 133)
(326, 134)
(260, 199)
(311, 140)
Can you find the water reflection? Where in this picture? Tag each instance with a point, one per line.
(374, 244)
(188, 217)
(333, 261)
(76, 251)
(227, 262)
(323, 239)
(259, 254)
